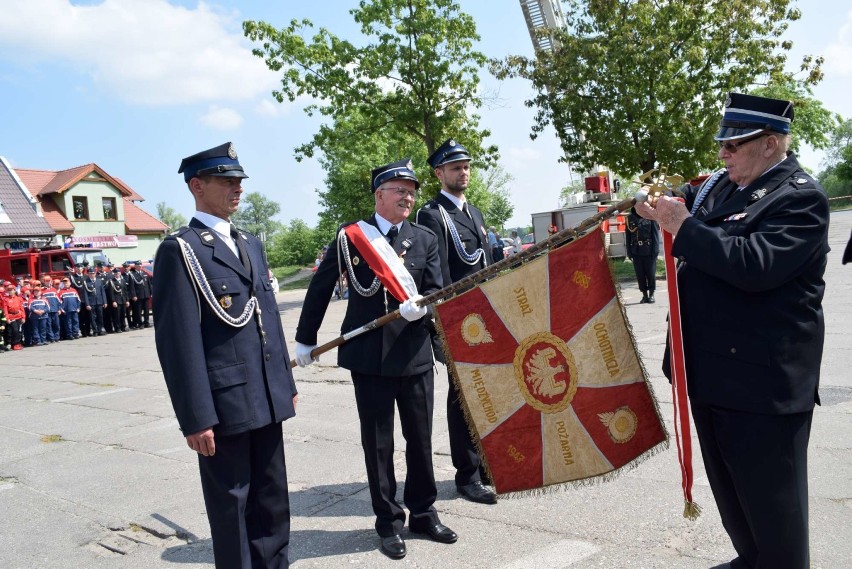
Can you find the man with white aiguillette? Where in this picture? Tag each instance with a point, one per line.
(752, 241)
(391, 365)
(462, 240)
(222, 350)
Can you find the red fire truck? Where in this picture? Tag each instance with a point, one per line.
(53, 260)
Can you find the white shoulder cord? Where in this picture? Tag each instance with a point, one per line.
(469, 258)
(197, 273)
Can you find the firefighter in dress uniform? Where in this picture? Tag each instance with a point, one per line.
(463, 246)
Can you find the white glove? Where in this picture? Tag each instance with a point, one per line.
(303, 354)
(409, 309)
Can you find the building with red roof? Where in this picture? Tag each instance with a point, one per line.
(85, 206)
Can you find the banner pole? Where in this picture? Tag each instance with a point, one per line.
(555, 240)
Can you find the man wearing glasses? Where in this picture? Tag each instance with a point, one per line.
(752, 242)
(463, 243)
(392, 365)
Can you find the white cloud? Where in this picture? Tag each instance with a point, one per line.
(222, 118)
(838, 55)
(147, 52)
(267, 108)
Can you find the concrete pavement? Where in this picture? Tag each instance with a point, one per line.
(94, 472)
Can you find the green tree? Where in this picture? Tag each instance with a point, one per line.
(293, 245)
(255, 215)
(169, 216)
(812, 123)
(633, 83)
(414, 73)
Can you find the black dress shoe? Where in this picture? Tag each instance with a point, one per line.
(477, 492)
(437, 532)
(393, 547)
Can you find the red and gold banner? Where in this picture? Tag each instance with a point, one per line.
(549, 372)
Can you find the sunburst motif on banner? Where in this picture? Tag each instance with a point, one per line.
(548, 371)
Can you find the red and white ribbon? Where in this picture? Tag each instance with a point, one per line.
(382, 259)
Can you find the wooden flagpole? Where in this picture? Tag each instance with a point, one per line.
(555, 240)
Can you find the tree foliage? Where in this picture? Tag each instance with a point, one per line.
(296, 244)
(633, 83)
(255, 215)
(812, 122)
(415, 73)
(169, 216)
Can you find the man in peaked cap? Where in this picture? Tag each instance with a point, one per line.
(752, 241)
(391, 365)
(463, 248)
(221, 346)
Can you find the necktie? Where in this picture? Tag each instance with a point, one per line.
(392, 233)
(466, 210)
(241, 247)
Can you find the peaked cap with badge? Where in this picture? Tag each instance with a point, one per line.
(218, 161)
(449, 151)
(401, 170)
(747, 115)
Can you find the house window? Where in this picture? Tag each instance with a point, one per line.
(81, 207)
(109, 209)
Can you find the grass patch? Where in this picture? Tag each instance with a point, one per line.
(52, 439)
(296, 284)
(284, 272)
(622, 269)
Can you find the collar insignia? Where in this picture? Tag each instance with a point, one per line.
(406, 244)
(206, 236)
(757, 194)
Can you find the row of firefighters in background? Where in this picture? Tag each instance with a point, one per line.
(37, 313)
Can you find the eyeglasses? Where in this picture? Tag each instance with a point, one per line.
(732, 147)
(404, 192)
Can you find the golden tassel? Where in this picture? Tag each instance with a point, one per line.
(691, 510)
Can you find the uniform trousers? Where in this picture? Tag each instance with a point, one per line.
(97, 314)
(757, 466)
(414, 395)
(116, 316)
(462, 450)
(645, 267)
(13, 329)
(53, 331)
(85, 319)
(245, 491)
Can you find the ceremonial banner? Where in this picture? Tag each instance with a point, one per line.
(552, 384)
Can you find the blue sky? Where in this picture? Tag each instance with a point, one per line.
(135, 85)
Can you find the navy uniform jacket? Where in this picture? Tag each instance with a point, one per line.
(116, 290)
(751, 291)
(95, 293)
(140, 283)
(78, 283)
(471, 230)
(397, 349)
(218, 375)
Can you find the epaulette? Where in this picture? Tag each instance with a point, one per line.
(422, 228)
(178, 232)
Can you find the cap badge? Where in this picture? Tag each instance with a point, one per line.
(452, 143)
(728, 101)
(410, 166)
(232, 153)
(225, 301)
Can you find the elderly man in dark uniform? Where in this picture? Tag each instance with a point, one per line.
(78, 283)
(117, 300)
(221, 346)
(752, 243)
(389, 365)
(463, 245)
